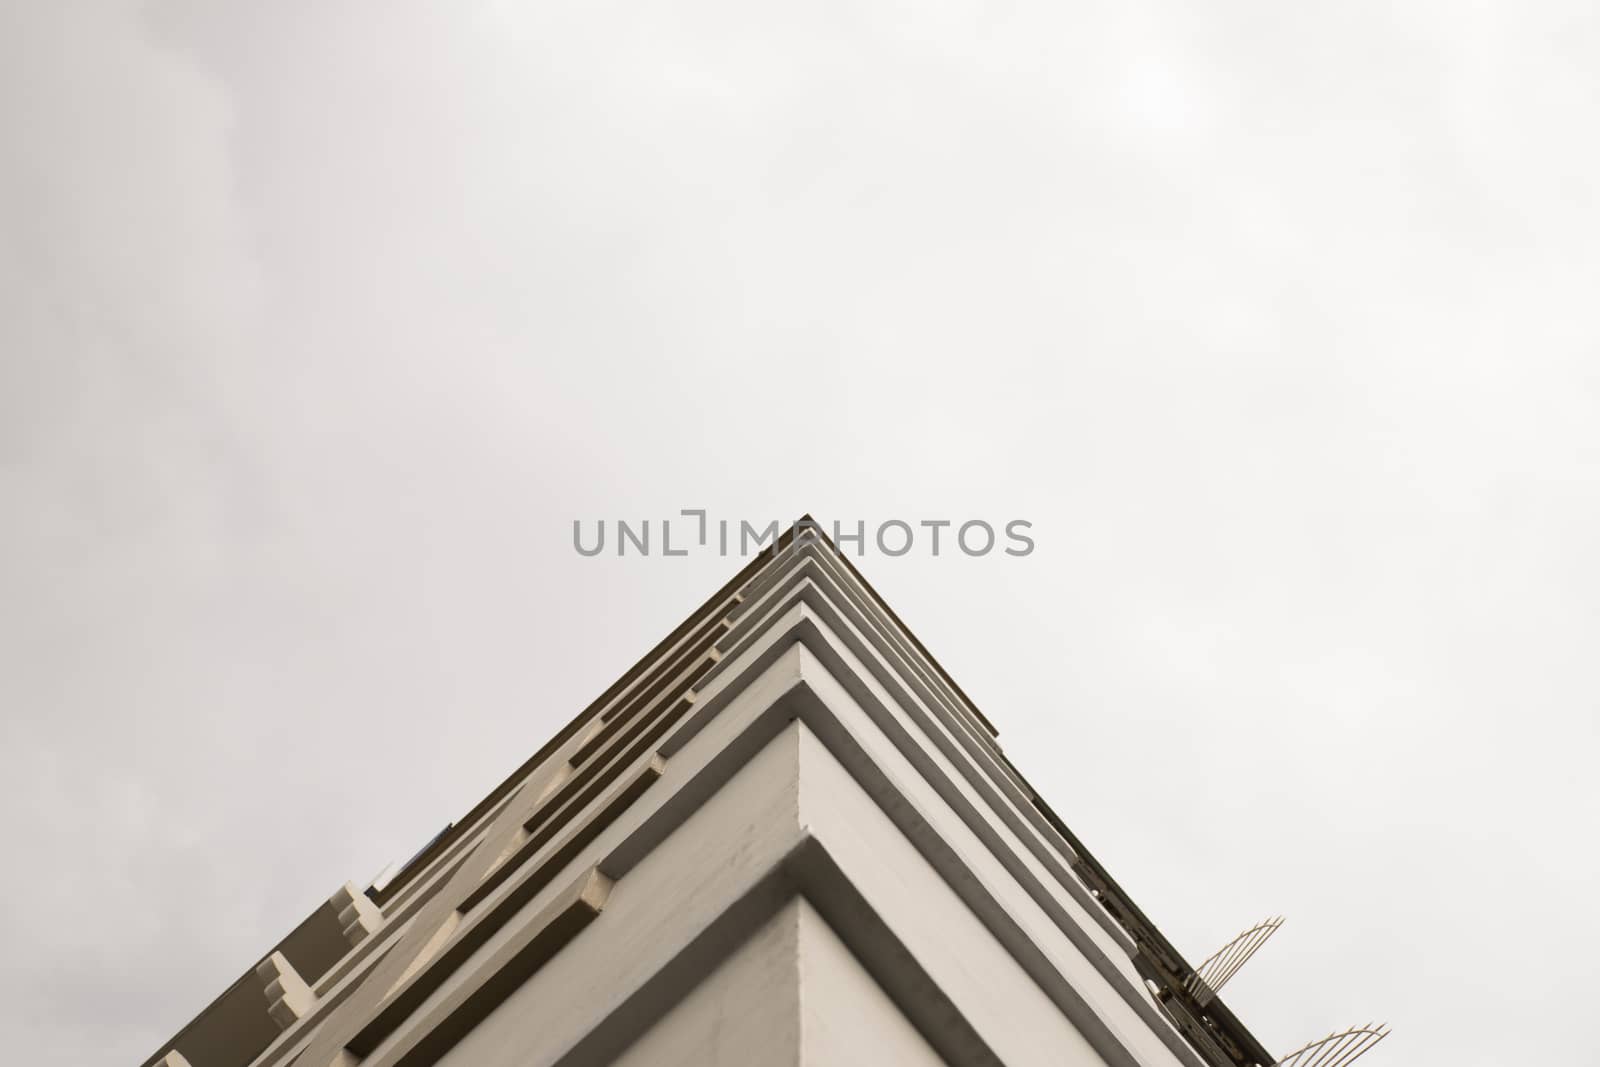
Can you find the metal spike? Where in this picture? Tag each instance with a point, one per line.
(1209, 978)
(1337, 1049)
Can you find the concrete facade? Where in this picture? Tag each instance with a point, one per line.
(784, 837)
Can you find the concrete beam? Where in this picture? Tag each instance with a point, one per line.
(288, 996)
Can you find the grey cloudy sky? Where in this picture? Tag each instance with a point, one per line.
(321, 322)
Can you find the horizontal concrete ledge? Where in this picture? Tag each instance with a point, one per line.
(477, 929)
(619, 800)
(807, 871)
(512, 964)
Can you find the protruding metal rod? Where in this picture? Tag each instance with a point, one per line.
(1337, 1049)
(1213, 974)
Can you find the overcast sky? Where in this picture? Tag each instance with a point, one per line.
(321, 322)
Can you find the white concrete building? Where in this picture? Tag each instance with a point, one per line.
(784, 837)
